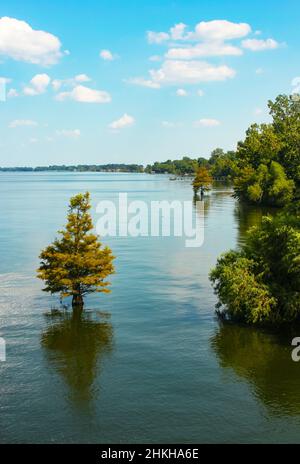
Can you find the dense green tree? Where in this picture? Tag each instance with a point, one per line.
(260, 284)
(223, 166)
(76, 264)
(268, 160)
(266, 185)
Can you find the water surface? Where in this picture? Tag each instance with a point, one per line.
(148, 362)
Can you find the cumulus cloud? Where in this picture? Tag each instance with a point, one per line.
(144, 82)
(174, 72)
(124, 121)
(220, 29)
(216, 30)
(22, 122)
(107, 55)
(157, 37)
(22, 43)
(203, 49)
(181, 93)
(177, 31)
(72, 82)
(190, 72)
(257, 45)
(83, 94)
(70, 133)
(82, 78)
(38, 85)
(206, 122)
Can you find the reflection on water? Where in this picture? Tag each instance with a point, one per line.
(156, 376)
(248, 216)
(75, 344)
(264, 360)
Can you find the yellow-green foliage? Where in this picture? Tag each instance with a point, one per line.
(202, 180)
(76, 263)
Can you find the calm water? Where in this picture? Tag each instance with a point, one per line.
(149, 362)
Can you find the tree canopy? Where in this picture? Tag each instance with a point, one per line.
(76, 263)
(268, 160)
(260, 284)
(202, 180)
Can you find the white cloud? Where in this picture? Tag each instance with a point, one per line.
(82, 78)
(22, 43)
(107, 55)
(216, 48)
(56, 84)
(12, 93)
(39, 84)
(144, 82)
(190, 72)
(206, 122)
(124, 121)
(157, 37)
(33, 140)
(181, 93)
(70, 133)
(83, 94)
(216, 30)
(200, 93)
(72, 82)
(177, 31)
(257, 45)
(22, 122)
(220, 29)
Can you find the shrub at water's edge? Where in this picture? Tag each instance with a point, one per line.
(76, 264)
(260, 284)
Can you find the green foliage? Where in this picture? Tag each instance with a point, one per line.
(223, 165)
(268, 160)
(76, 263)
(267, 185)
(220, 165)
(179, 167)
(261, 283)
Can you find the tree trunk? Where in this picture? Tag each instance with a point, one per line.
(77, 301)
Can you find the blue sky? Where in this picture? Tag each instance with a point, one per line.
(134, 82)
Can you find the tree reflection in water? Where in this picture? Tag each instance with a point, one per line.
(264, 360)
(75, 344)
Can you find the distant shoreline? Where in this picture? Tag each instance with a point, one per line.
(130, 168)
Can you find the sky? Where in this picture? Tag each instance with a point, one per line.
(111, 81)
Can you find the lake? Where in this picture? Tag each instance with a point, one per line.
(149, 362)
